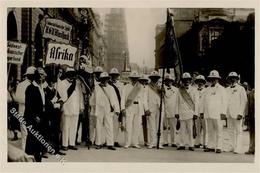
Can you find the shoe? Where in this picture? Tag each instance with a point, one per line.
(218, 151)
(250, 152)
(161, 147)
(151, 146)
(204, 146)
(126, 146)
(73, 148)
(174, 145)
(197, 146)
(64, 148)
(45, 156)
(235, 152)
(60, 153)
(191, 148)
(111, 148)
(78, 143)
(165, 145)
(145, 144)
(137, 146)
(116, 144)
(105, 144)
(98, 147)
(181, 148)
(212, 150)
(206, 150)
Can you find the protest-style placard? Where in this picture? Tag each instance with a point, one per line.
(57, 30)
(15, 52)
(62, 54)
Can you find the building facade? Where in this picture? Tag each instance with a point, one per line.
(26, 25)
(116, 38)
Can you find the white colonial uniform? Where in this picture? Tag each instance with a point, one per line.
(20, 98)
(153, 119)
(237, 101)
(120, 87)
(171, 108)
(201, 124)
(134, 113)
(186, 116)
(71, 109)
(103, 113)
(214, 103)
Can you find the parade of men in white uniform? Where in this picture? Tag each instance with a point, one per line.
(187, 112)
(105, 108)
(236, 107)
(20, 98)
(154, 107)
(214, 109)
(201, 139)
(171, 107)
(135, 104)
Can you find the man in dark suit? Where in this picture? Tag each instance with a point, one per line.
(34, 113)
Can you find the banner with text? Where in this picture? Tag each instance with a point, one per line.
(15, 52)
(62, 54)
(57, 30)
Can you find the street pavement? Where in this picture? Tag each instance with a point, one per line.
(166, 155)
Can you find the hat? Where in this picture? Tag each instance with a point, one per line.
(233, 74)
(98, 69)
(30, 70)
(114, 71)
(41, 71)
(134, 74)
(201, 78)
(104, 75)
(186, 75)
(86, 63)
(154, 74)
(144, 77)
(214, 74)
(168, 77)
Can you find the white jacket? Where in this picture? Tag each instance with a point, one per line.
(184, 110)
(141, 98)
(120, 87)
(74, 103)
(214, 102)
(171, 101)
(153, 100)
(103, 101)
(237, 101)
(20, 95)
(201, 93)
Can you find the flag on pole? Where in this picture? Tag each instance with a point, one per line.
(169, 54)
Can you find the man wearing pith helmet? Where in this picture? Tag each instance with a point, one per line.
(154, 107)
(171, 107)
(20, 99)
(118, 88)
(187, 112)
(237, 101)
(135, 104)
(214, 108)
(105, 108)
(200, 123)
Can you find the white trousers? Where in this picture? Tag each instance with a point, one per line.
(234, 129)
(170, 132)
(133, 125)
(69, 129)
(186, 133)
(201, 127)
(214, 133)
(116, 127)
(153, 126)
(24, 135)
(106, 120)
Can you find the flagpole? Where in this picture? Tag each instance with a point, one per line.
(160, 115)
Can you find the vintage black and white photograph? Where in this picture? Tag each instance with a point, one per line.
(131, 85)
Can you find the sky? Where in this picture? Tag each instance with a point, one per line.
(141, 23)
